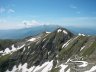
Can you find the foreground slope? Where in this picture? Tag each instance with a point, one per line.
(58, 51)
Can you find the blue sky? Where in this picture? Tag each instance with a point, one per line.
(78, 13)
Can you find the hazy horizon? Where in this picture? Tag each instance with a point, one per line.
(16, 14)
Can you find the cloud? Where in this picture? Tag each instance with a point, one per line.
(9, 24)
(11, 11)
(31, 23)
(73, 6)
(2, 10)
(34, 22)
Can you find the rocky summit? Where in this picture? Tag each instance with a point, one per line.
(57, 51)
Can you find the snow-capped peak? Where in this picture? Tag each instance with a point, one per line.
(65, 32)
(59, 30)
(81, 34)
(48, 32)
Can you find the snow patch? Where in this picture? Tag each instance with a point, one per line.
(24, 49)
(7, 50)
(48, 52)
(59, 30)
(75, 37)
(68, 70)
(46, 67)
(21, 67)
(14, 69)
(1, 52)
(32, 39)
(65, 32)
(57, 64)
(28, 47)
(67, 61)
(13, 48)
(82, 48)
(81, 34)
(66, 44)
(44, 39)
(48, 32)
(84, 63)
(63, 67)
(57, 56)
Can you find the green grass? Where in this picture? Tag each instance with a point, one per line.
(90, 50)
(73, 48)
(55, 69)
(4, 58)
(6, 43)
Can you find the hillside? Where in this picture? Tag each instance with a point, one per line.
(57, 51)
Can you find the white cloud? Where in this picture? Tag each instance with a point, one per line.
(11, 11)
(10, 25)
(6, 24)
(34, 22)
(2, 10)
(31, 23)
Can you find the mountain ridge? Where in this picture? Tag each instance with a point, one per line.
(32, 31)
(58, 51)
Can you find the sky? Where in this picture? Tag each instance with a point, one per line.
(16, 14)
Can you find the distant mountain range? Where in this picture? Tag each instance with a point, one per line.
(56, 51)
(32, 31)
(25, 32)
